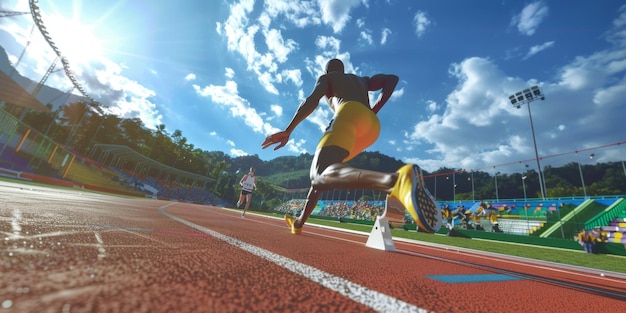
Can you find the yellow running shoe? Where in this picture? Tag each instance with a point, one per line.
(410, 192)
(291, 222)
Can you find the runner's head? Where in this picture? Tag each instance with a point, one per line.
(334, 65)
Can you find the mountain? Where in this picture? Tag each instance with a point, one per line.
(46, 95)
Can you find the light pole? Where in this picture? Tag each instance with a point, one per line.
(453, 187)
(436, 184)
(524, 187)
(527, 96)
(582, 179)
(496, 180)
(472, 179)
(580, 171)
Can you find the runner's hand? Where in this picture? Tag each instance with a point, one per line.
(281, 138)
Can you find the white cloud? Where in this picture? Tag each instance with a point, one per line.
(397, 94)
(531, 16)
(472, 130)
(367, 37)
(321, 117)
(241, 32)
(230, 73)
(384, 35)
(336, 13)
(190, 77)
(538, 48)
(431, 106)
(612, 95)
(595, 70)
(480, 127)
(278, 46)
(277, 109)
(120, 95)
(228, 97)
(618, 35)
(360, 23)
(300, 13)
(297, 146)
(328, 43)
(293, 75)
(238, 152)
(421, 23)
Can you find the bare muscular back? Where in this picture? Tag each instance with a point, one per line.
(345, 87)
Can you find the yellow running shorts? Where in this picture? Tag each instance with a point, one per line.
(353, 128)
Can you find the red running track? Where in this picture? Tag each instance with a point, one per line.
(70, 251)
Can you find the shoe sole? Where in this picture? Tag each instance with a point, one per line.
(429, 211)
(419, 202)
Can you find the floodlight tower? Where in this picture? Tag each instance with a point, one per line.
(527, 96)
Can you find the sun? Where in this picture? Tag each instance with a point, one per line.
(74, 39)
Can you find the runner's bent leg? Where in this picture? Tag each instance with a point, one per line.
(328, 172)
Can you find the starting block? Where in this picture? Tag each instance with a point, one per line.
(380, 236)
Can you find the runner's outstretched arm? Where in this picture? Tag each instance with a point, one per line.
(304, 110)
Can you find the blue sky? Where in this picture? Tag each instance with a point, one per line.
(228, 73)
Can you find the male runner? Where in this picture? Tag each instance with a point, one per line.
(355, 127)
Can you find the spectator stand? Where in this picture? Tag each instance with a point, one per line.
(612, 222)
(169, 183)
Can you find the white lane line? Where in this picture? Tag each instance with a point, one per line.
(102, 253)
(373, 299)
(16, 228)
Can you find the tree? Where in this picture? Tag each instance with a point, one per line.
(264, 190)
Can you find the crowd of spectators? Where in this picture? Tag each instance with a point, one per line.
(357, 210)
(469, 218)
(591, 239)
(293, 206)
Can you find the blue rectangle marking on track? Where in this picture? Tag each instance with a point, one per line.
(472, 278)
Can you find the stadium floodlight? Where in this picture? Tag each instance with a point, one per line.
(518, 99)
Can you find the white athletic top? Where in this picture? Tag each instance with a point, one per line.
(248, 183)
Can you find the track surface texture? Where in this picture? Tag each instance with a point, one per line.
(73, 251)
